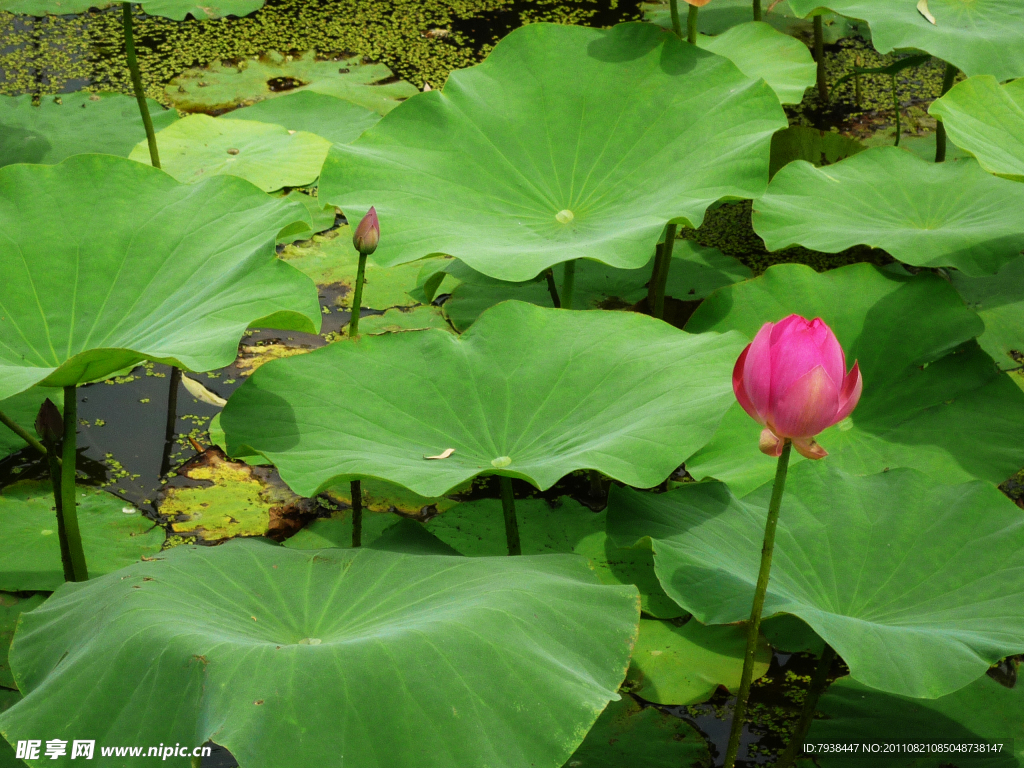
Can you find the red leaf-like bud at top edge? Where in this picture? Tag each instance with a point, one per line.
(49, 423)
(367, 233)
(792, 379)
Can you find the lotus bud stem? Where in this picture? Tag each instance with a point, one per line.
(691, 24)
(673, 9)
(819, 58)
(365, 240)
(140, 93)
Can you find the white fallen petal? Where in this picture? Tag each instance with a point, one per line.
(922, 7)
(201, 393)
(443, 455)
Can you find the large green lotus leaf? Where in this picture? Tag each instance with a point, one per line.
(695, 272)
(322, 217)
(73, 124)
(978, 36)
(925, 214)
(983, 712)
(999, 300)
(11, 607)
(172, 9)
(986, 119)
(7, 755)
(625, 735)
(114, 534)
(331, 259)
(403, 320)
(337, 120)
(389, 659)
(23, 409)
(526, 392)
(914, 583)
(760, 50)
(722, 15)
(106, 262)
(953, 416)
(336, 531)
(799, 142)
(268, 155)
(220, 87)
(566, 142)
(477, 528)
(687, 664)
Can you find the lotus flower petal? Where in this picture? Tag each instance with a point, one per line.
(807, 407)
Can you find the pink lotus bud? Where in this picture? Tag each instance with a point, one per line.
(792, 379)
(367, 233)
(49, 423)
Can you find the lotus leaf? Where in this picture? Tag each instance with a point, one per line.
(819, 148)
(953, 416)
(915, 584)
(687, 664)
(114, 534)
(979, 37)
(379, 496)
(268, 155)
(625, 734)
(986, 119)
(322, 216)
(527, 392)
(330, 259)
(722, 15)
(789, 634)
(402, 320)
(566, 142)
(760, 50)
(129, 265)
(73, 124)
(171, 9)
(259, 645)
(925, 214)
(7, 756)
(23, 408)
(982, 712)
(999, 300)
(336, 531)
(11, 607)
(695, 272)
(337, 120)
(628, 565)
(221, 87)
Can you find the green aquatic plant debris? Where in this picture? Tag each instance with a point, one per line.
(538, 393)
(647, 129)
(913, 583)
(171, 9)
(536, 637)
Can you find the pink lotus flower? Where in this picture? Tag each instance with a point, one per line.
(792, 379)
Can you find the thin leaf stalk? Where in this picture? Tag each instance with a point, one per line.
(940, 127)
(549, 275)
(819, 681)
(357, 298)
(896, 109)
(140, 94)
(171, 423)
(508, 507)
(691, 25)
(568, 284)
(356, 488)
(62, 534)
(754, 624)
(819, 58)
(757, 10)
(69, 509)
(673, 9)
(23, 433)
(658, 310)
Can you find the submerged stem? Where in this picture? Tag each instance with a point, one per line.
(549, 275)
(691, 25)
(67, 487)
(754, 624)
(940, 127)
(357, 298)
(568, 284)
(819, 681)
(508, 506)
(673, 9)
(665, 263)
(23, 433)
(757, 10)
(140, 94)
(819, 58)
(356, 488)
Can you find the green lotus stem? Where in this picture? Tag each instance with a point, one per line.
(508, 506)
(171, 424)
(754, 624)
(356, 488)
(140, 94)
(357, 298)
(549, 275)
(757, 10)
(68, 503)
(819, 681)
(677, 27)
(661, 278)
(596, 484)
(896, 107)
(819, 58)
(568, 283)
(21, 432)
(197, 762)
(691, 25)
(62, 534)
(940, 127)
